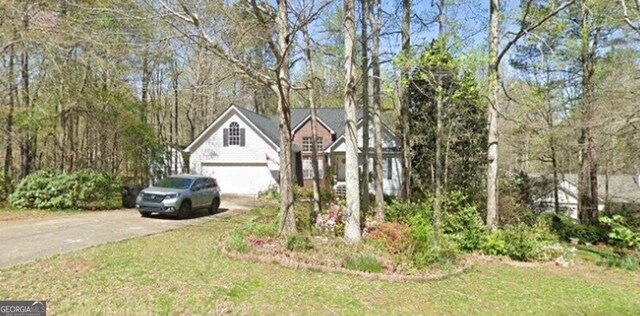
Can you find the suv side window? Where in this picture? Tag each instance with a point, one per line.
(212, 183)
(199, 184)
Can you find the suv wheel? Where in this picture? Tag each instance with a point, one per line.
(185, 210)
(215, 206)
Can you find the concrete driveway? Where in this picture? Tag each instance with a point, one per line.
(27, 240)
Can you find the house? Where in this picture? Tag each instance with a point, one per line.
(240, 149)
(612, 189)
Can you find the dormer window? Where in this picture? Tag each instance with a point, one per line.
(234, 135)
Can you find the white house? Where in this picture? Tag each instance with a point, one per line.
(240, 149)
(616, 189)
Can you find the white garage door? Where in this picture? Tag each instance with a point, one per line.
(240, 178)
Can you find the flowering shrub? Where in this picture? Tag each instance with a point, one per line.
(332, 220)
(394, 236)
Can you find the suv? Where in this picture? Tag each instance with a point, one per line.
(179, 195)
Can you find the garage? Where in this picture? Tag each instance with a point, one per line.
(240, 178)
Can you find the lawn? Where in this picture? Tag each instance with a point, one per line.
(182, 272)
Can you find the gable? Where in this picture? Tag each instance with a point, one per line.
(390, 141)
(231, 114)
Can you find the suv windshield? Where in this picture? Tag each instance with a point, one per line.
(174, 183)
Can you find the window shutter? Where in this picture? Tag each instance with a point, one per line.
(225, 136)
(242, 141)
(389, 168)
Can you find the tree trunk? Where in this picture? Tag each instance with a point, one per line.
(287, 218)
(352, 221)
(492, 153)
(364, 39)
(8, 152)
(404, 100)
(554, 164)
(375, 18)
(437, 207)
(314, 131)
(588, 184)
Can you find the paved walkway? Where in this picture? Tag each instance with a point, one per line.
(26, 240)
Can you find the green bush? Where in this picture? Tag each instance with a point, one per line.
(298, 243)
(363, 262)
(304, 216)
(50, 189)
(519, 242)
(422, 250)
(465, 226)
(401, 212)
(236, 241)
(494, 244)
(566, 228)
(621, 235)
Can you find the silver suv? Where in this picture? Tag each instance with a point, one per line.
(179, 195)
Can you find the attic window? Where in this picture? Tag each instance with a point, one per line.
(307, 144)
(234, 135)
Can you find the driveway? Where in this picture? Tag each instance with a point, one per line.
(27, 240)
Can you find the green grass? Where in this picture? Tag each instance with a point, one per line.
(182, 272)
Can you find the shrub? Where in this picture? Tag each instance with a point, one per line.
(422, 250)
(304, 216)
(49, 189)
(394, 237)
(494, 244)
(519, 242)
(566, 228)
(331, 220)
(621, 235)
(465, 226)
(236, 241)
(298, 243)
(401, 212)
(363, 262)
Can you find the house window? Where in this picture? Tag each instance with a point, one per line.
(307, 168)
(386, 168)
(307, 142)
(234, 134)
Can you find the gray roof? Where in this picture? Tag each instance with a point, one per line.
(333, 117)
(620, 188)
(266, 125)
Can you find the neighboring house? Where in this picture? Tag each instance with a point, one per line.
(618, 189)
(240, 149)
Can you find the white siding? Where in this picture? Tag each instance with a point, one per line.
(388, 140)
(232, 165)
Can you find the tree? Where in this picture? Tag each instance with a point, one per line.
(279, 83)
(364, 39)
(405, 102)
(375, 18)
(352, 231)
(495, 57)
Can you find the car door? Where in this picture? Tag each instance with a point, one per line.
(198, 194)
